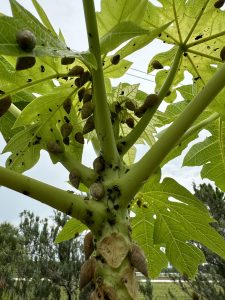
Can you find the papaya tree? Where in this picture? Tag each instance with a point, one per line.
(54, 99)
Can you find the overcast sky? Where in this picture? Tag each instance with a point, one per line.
(68, 16)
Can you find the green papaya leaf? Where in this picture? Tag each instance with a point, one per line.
(210, 154)
(195, 30)
(70, 230)
(47, 44)
(141, 41)
(119, 34)
(179, 219)
(115, 71)
(142, 233)
(115, 12)
(42, 120)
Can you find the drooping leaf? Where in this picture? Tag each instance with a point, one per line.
(70, 230)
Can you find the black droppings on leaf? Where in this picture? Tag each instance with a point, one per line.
(139, 203)
(29, 80)
(9, 161)
(66, 119)
(197, 78)
(198, 37)
(26, 62)
(66, 140)
(36, 142)
(42, 68)
(185, 54)
(50, 109)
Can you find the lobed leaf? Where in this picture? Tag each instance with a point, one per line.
(179, 218)
(115, 12)
(210, 154)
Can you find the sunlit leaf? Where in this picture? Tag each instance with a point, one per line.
(119, 34)
(210, 154)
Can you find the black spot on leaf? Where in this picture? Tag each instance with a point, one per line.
(198, 37)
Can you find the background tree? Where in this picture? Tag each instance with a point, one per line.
(12, 257)
(54, 98)
(209, 283)
(58, 264)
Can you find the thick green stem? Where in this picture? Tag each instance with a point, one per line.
(133, 136)
(198, 126)
(142, 170)
(66, 202)
(102, 118)
(194, 128)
